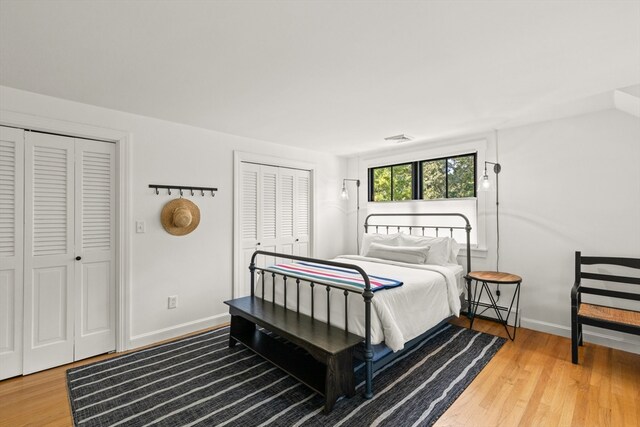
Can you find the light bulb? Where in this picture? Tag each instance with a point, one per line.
(485, 184)
(344, 194)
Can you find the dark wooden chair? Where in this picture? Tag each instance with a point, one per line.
(601, 316)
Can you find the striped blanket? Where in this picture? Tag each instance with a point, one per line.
(321, 273)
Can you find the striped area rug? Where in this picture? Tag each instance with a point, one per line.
(199, 381)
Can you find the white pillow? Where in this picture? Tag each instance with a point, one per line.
(385, 239)
(455, 250)
(409, 254)
(439, 251)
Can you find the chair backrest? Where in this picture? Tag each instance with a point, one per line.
(592, 260)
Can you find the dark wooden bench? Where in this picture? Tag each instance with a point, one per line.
(613, 318)
(326, 365)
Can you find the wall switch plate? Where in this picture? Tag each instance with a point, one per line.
(173, 301)
(140, 226)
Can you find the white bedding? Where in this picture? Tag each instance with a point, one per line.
(458, 271)
(429, 294)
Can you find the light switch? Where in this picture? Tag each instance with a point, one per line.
(140, 227)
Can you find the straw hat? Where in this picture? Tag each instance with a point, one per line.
(180, 217)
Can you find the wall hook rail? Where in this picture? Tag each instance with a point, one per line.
(182, 188)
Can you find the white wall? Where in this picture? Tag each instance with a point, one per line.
(197, 267)
(566, 185)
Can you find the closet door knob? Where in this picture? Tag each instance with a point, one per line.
(78, 258)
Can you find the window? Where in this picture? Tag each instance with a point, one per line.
(444, 178)
(434, 179)
(449, 178)
(391, 183)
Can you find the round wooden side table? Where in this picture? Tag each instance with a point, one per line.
(497, 278)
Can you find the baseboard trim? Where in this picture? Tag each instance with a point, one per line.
(176, 331)
(590, 336)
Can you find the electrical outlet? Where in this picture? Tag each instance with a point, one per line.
(140, 226)
(173, 301)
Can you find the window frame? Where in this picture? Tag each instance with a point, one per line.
(418, 179)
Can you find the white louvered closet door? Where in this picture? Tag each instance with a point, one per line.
(275, 215)
(49, 251)
(95, 306)
(287, 204)
(259, 215)
(69, 250)
(268, 197)
(11, 250)
(249, 219)
(295, 211)
(302, 212)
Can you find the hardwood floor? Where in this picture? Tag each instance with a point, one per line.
(530, 382)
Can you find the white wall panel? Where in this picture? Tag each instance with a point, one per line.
(96, 297)
(567, 185)
(50, 293)
(7, 312)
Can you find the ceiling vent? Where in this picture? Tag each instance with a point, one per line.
(399, 138)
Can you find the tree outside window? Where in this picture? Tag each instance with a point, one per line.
(434, 179)
(382, 184)
(402, 182)
(461, 176)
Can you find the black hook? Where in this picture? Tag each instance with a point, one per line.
(169, 190)
(192, 191)
(213, 194)
(181, 192)
(157, 191)
(202, 193)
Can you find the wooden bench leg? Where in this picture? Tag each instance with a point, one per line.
(239, 326)
(339, 378)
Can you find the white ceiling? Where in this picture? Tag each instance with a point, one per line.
(331, 76)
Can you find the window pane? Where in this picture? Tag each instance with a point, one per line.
(402, 180)
(461, 176)
(433, 179)
(382, 184)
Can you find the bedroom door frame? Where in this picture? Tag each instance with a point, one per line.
(264, 159)
(123, 199)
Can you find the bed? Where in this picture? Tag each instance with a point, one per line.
(368, 307)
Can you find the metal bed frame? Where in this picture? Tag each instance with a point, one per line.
(367, 293)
